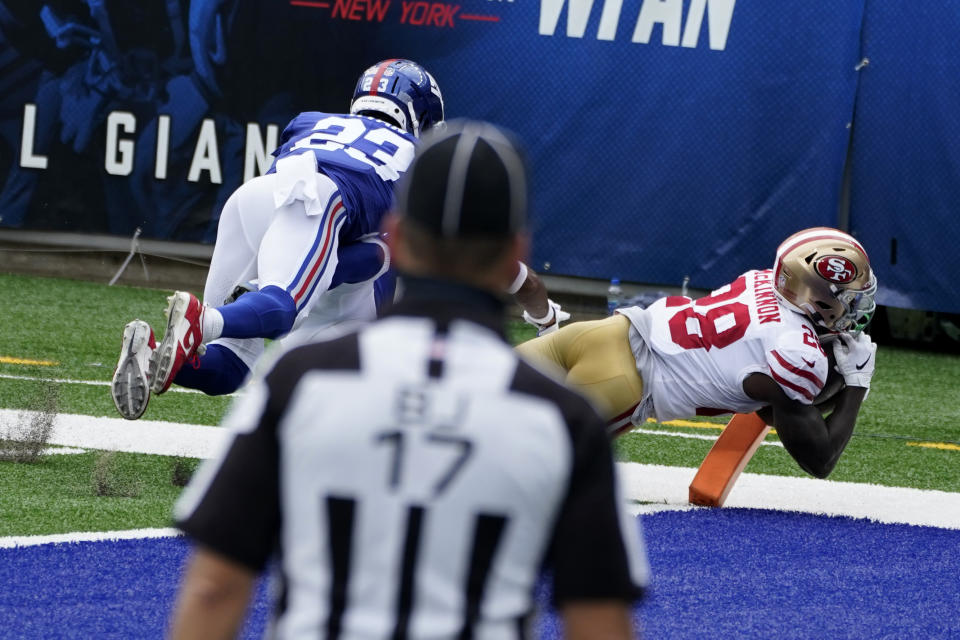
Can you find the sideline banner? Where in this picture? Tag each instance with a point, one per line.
(905, 199)
(669, 138)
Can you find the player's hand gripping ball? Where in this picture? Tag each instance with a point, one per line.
(856, 358)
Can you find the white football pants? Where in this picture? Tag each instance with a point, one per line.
(290, 248)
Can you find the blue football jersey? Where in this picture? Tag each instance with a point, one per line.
(362, 155)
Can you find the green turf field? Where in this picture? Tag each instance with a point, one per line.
(74, 328)
(59, 495)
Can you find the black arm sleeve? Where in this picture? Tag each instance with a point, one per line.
(233, 505)
(589, 555)
(238, 510)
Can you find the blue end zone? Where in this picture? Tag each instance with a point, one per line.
(717, 573)
(754, 573)
(121, 589)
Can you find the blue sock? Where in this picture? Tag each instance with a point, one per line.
(357, 262)
(221, 371)
(384, 288)
(267, 313)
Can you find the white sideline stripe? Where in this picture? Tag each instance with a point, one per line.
(117, 434)
(692, 436)
(86, 536)
(665, 488)
(659, 487)
(93, 383)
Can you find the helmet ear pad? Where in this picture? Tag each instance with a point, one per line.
(380, 116)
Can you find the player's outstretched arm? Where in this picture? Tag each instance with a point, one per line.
(816, 442)
(531, 294)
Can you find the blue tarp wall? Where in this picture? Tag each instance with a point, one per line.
(669, 138)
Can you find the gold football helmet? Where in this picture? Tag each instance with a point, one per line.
(825, 274)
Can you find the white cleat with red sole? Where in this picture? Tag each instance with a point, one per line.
(182, 341)
(130, 387)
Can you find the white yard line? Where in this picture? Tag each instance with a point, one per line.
(92, 383)
(117, 434)
(656, 487)
(86, 536)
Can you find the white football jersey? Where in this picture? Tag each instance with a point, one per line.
(695, 354)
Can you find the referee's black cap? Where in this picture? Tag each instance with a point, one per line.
(469, 179)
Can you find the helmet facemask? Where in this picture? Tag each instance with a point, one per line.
(860, 306)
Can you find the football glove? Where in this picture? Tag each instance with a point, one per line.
(240, 289)
(856, 358)
(551, 321)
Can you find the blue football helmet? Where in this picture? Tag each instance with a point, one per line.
(403, 92)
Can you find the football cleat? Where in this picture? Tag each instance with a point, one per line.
(825, 274)
(130, 387)
(182, 341)
(402, 92)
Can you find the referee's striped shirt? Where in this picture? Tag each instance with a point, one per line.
(413, 479)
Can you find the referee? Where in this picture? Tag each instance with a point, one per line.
(412, 480)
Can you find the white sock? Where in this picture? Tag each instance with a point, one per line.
(212, 324)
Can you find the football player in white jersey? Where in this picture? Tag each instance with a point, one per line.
(308, 233)
(756, 344)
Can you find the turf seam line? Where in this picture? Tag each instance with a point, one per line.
(691, 436)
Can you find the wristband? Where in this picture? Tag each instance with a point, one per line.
(519, 280)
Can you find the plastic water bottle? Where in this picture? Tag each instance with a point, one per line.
(614, 295)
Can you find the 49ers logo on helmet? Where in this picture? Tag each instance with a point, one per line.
(836, 269)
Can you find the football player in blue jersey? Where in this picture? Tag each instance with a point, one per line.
(307, 233)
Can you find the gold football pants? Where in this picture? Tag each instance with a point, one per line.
(597, 360)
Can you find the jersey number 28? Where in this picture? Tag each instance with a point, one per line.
(720, 319)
